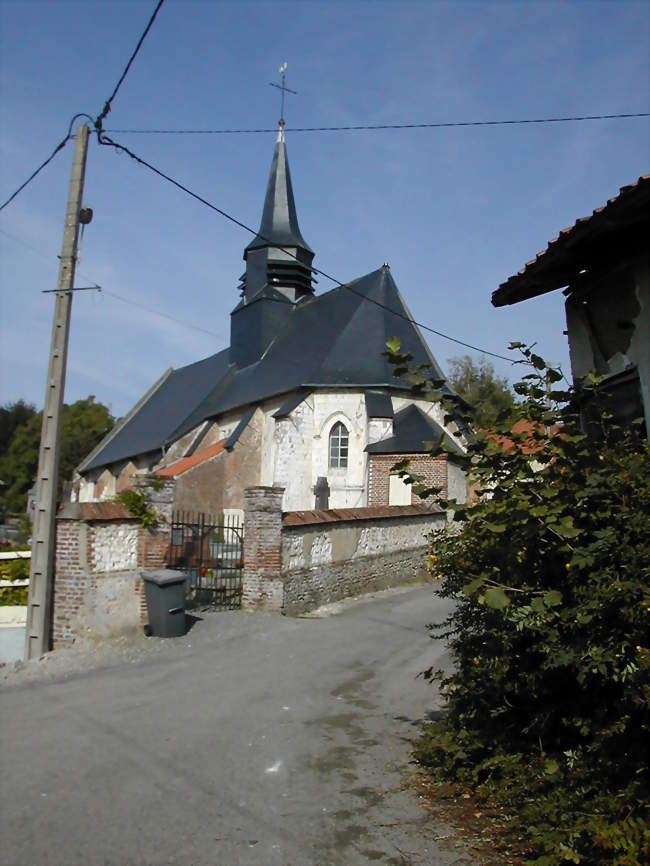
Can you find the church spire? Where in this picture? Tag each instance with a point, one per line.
(278, 259)
(279, 226)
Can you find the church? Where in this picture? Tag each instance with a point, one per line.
(302, 399)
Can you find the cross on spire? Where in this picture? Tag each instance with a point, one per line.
(283, 87)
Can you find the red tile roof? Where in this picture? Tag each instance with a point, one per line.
(553, 267)
(525, 439)
(340, 515)
(185, 463)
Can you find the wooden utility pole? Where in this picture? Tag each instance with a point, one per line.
(41, 575)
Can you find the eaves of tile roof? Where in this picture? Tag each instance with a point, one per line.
(344, 515)
(627, 213)
(185, 463)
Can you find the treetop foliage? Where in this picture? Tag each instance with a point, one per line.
(83, 424)
(477, 383)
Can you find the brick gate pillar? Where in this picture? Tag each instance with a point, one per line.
(262, 586)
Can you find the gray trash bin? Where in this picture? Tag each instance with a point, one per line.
(165, 594)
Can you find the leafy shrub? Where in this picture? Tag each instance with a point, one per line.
(137, 503)
(14, 569)
(549, 701)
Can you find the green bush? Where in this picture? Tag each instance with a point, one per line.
(548, 703)
(137, 502)
(14, 569)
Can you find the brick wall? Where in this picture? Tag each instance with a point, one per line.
(101, 551)
(433, 471)
(261, 583)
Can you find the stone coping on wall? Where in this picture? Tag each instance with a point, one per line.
(345, 515)
(94, 511)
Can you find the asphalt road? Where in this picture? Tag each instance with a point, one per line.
(256, 741)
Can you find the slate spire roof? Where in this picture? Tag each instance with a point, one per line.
(279, 226)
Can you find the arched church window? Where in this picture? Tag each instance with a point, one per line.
(338, 446)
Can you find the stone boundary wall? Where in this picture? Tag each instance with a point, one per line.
(101, 551)
(299, 561)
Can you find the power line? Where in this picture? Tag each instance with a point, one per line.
(161, 314)
(38, 170)
(298, 363)
(380, 126)
(105, 140)
(117, 297)
(107, 104)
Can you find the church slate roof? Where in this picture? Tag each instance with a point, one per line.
(333, 340)
(279, 226)
(151, 426)
(413, 429)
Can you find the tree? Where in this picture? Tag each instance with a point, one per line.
(13, 415)
(83, 425)
(484, 391)
(548, 704)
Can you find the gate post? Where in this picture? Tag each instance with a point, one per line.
(262, 585)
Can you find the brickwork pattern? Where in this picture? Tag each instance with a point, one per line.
(261, 583)
(97, 582)
(433, 471)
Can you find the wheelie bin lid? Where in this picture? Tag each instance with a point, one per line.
(164, 576)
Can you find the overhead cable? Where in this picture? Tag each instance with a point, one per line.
(107, 104)
(111, 294)
(38, 170)
(380, 126)
(105, 140)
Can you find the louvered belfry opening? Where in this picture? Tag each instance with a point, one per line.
(290, 275)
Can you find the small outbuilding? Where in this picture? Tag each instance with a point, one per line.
(602, 264)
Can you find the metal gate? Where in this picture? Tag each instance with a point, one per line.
(210, 549)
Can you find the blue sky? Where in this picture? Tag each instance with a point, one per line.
(454, 211)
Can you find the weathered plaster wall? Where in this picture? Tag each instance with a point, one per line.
(347, 486)
(379, 428)
(456, 482)
(107, 482)
(218, 484)
(291, 454)
(608, 331)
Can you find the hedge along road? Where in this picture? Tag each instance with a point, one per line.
(255, 739)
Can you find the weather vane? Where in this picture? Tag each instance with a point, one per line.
(283, 87)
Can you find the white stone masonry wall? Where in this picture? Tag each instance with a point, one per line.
(310, 546)
(115, 547)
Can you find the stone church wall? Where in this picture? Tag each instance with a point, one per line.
(348, 485)
(219, 482)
